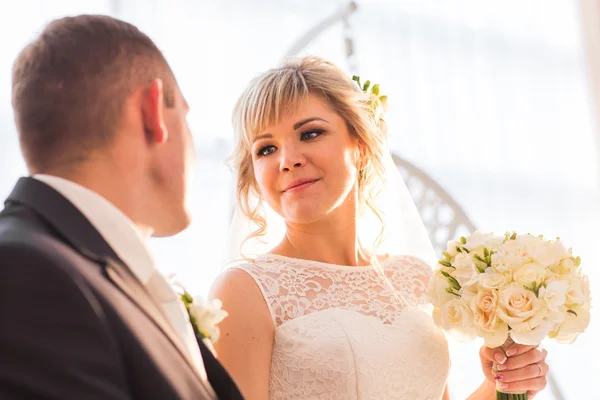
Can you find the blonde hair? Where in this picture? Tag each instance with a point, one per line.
(278, 90)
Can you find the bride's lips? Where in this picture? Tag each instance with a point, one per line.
(299, 184)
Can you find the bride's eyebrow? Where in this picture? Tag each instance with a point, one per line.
(263, 136)
(307, 120)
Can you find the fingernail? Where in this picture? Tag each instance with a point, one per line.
(500, 358)
(499, 377)
(504, 385)
(500, 367)
(511, 352)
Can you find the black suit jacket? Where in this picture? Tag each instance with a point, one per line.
(75, 323)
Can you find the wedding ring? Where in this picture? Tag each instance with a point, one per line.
(540, 368)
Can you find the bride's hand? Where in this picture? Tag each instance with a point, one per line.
(525, 367)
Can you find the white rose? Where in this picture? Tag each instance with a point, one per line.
(566, 267)
(578, 292)
(436, 290)
(493, 280)
(484, 307)
(478, 240)
(456, 316)
(506, 262)
(533, 337)
(465, 271)
(573, 324)
(548, 253)
(554, 295)
(529, 273)
(207, 315)
(520, 308)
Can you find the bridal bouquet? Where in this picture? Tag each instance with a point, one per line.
(512, 288)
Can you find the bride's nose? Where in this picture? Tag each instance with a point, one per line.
(291, 158)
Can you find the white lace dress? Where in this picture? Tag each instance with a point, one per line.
(342, 333)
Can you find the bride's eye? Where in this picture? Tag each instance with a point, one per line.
(265, 151)
(312, 134)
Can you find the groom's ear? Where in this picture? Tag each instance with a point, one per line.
(152, 113)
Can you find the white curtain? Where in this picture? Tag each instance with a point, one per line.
(490, 98)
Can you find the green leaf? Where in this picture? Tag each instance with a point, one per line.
(187, 298)
(366, 86)
(453, 282)
(375, 89)
(463, 240)
(478, 258)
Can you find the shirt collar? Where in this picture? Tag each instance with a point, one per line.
(115, 227)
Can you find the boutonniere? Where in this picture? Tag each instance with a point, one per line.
(204, 316)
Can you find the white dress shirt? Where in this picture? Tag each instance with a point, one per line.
(129, 244)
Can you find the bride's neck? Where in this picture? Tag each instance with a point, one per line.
(334, 241)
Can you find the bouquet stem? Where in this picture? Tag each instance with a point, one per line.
(503, 394)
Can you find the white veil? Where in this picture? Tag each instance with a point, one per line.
(405, 232)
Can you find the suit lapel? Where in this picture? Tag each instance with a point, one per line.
(120, 276)
(73, 227)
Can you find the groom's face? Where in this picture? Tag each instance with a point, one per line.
(176, 165)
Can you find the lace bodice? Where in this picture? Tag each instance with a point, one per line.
(345, 332)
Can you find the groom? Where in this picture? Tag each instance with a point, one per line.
(84, 313)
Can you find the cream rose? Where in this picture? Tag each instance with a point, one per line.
(492, 280)
(520, 308)
(484, 307)
(456, 316)
(529, 273)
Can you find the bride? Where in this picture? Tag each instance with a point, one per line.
(331, 300)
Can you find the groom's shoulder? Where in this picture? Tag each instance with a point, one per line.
(27, 247)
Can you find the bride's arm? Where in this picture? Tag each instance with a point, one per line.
(246, 340)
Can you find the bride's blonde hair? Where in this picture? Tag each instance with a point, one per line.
(279, 90)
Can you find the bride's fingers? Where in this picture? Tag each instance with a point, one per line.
(529, 372)
(531, 357)
(495, 355)
(535, 385)
(518, 349)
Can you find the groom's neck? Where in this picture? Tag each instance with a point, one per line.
(113, 184)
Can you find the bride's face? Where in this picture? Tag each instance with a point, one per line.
(305, 165)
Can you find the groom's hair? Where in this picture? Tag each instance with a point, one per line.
(69, 87)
